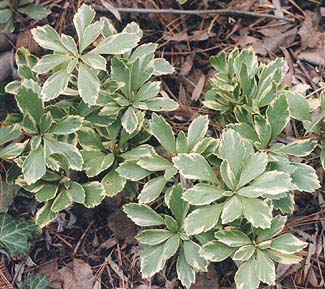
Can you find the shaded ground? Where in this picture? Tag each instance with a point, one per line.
(101, 241)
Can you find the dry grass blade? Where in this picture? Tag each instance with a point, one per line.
(4, 283)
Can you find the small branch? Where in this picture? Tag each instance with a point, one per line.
(227, 12)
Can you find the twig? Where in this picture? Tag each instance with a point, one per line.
(228, 12)
(82, 238)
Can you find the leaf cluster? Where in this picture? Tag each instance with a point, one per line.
(9, 10)
(86, 128)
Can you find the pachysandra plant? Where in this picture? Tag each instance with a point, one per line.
(9, 10)
(88, 132)
(316, 125)
(140, 163)
(243, 88)
(258, 253)
(171, 240)
(48, 143)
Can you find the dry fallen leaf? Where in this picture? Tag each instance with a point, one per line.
(25, 39)
(6, 65)
(52, 271)
(207, 279)
(316, 57)
(198, 88)
(272, 43)
(77, 275)
(122, 227)
(310, 30)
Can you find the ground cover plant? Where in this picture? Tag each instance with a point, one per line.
(88, 122)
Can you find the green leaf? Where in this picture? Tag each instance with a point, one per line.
(263, 129)
(171, 224)
(8, 133)
(163, 133)
(33, 11)
(210, 214)
(246, 277)
(132, 171)
(69, 44)
(235, 150)
(154, 163)
(143, 215)
(216, 251)
(48, 192)
(257, 212)
(113, 183)
(89, 139)
(90, 34)
(265, 268)
(194, 166)
(71, 152)
(45, 215)
(15, 234)
(66, 125)
(95, 193)
(129, 120)
(157, 104)
(148, 91)
(299, 148)
(5, 15)
(138, 152)
(283, 258)
(108, 29)
(84, 16)
(171, 246)
(152, 260)
(177, 205)
(233, 238)
(305, 178)
(46, 121)
(12, 151)
(181, 143)
(162, 67)
(121, 73)
(197, 130)
(29, 102)
(94, 60)
(298, 106)
(191, 252)
(34, 167)
(141, 71)
(62, 201)
(254, 166)
(276, 227)
(202, 194)
(96, 162)
(36, 281)
(48, 38)
(152, 189)
(269, 183)
(117, 44)
(77, 192)
(244, 253)
(245, 130)
(29, 124)
(55, 85)
(278, 115)
(88, 84)
(154, 236)
(287, 244)
(185, 271)
(232, 210)
(49, 62)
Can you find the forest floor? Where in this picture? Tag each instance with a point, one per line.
(100, 243)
